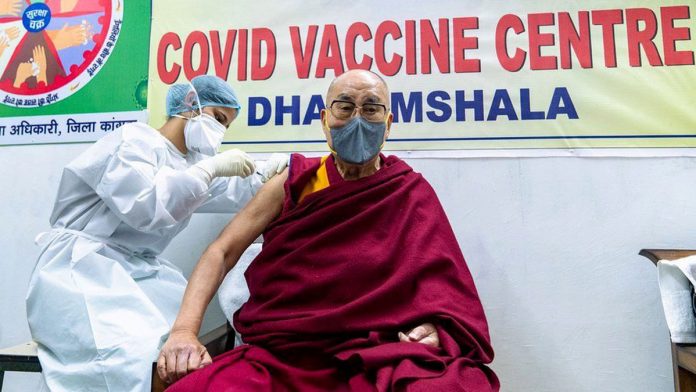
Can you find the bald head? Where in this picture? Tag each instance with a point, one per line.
(359, 86)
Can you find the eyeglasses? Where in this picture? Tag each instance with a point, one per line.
(343, 110)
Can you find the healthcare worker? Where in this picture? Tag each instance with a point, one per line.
(100, 299)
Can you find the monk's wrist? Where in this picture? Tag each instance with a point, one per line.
(182, 327)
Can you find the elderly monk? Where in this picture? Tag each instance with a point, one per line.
(360, 286)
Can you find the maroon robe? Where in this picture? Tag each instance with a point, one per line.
(340, 274)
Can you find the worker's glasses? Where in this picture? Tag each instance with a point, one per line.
(373, 112)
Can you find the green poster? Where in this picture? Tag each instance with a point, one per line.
(71, 70)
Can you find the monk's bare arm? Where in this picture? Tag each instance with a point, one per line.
(223, 253)
(182, 352)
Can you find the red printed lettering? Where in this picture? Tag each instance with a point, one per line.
(537, 40)
(461, 43)
(388, 68)
(506, 23)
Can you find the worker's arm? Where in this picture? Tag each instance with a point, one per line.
(183, 353)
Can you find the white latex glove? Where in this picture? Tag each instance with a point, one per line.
(227, 164)
(275, 164)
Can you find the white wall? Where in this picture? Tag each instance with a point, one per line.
(552, 244)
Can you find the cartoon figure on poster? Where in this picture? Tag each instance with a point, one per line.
(50, 49)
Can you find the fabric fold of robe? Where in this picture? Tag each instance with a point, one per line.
(340, 274)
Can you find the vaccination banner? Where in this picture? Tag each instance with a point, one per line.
(71, 70)
(463, 74)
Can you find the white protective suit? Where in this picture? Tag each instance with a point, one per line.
(100, 300)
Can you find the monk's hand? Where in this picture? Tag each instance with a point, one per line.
(424, 333)
(180, 355)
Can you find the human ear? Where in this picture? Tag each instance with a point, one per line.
(390, 117)
(324, 119)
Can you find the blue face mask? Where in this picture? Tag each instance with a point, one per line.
(359, 140)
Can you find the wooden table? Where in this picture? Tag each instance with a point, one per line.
(23, 357)
(683, 355)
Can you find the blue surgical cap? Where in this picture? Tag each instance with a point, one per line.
(210, 91)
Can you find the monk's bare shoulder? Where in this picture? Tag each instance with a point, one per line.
(272, 193)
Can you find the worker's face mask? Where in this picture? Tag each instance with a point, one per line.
(203, 134)
(359, 140)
